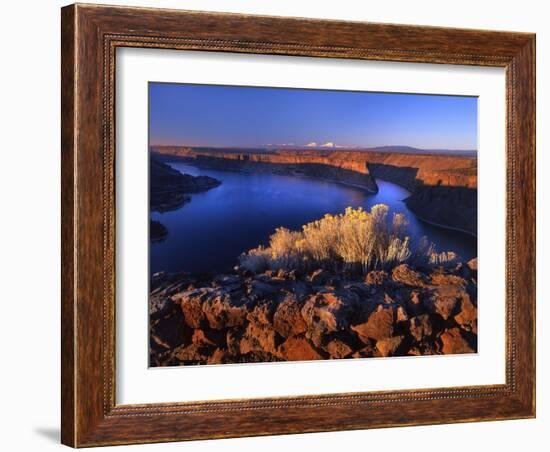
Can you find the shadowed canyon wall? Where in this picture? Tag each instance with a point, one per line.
(443, 187)
(335, 168)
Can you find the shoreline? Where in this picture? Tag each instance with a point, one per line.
(334, 181)
(299, 176)
(443, 226)
(433, 223)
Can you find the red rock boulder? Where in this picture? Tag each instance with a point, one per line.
(288, 320)
(453, 342)
(379, 326)
(298, 348)
(404, 274)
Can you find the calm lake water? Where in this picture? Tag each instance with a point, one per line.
(210, 232)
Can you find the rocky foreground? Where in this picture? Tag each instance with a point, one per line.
(285, 316)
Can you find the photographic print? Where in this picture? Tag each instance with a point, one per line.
(297, 216)
(295, 224)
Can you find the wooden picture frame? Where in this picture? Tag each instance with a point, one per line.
(90, 36)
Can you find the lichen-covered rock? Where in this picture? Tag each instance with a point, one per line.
(446, 279)
(467, 315)
(329, 312)
(379, 326)
(287, 275)
(414, 303)
(338, 349)
(401, 314)
(389, 346)
(423, 349)
(420, 327)
(220, 356)
(233, 341)
(368, 351)
(453, 342)
(288, 320)
(214, 338)
(376, 278)
(259, 335)
(341, 345)
(191, 305)
(297, 348)
(261, 289)
(319, 277)
(258, 338)
(223, 311)
(299, 289)
(291, 315)
(404, 274)
(194, 353)
(444, 300)
(227, 280)
(168, 328)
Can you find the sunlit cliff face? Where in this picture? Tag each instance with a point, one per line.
(447, 170)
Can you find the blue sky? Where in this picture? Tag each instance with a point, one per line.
(233, 116)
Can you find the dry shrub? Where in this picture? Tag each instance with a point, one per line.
(257, 260)
(283, 249)
(319, 237)
(356, 240)
(426, 254)
(444, 258)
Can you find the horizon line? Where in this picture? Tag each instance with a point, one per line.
(309, 146)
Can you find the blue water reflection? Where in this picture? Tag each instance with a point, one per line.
(210, 232)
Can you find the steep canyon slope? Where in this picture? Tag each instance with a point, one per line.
(443, 187)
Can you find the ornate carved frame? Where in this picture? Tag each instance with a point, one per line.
(90, 36)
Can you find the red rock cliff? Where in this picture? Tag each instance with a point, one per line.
(443, 187)
(409, 170)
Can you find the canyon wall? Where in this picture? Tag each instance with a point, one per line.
(411, 171)
(335, 168)
(443, 187)
(406, 169)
